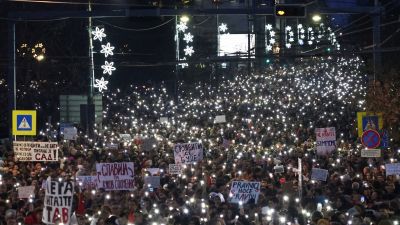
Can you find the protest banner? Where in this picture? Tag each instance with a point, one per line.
(175, 169)
(244, 192)
(70, 133)
(319, 174)
(35, 151)
(220, 119)
(370, 153)
(153, 171)
(58, 202)
(125, 137)
(326, 140)
(26, 192)
(164, 119)
(115, 176)
(87, 182)
(188, 153)
(152, 181)
(392, 169)
(112, 146)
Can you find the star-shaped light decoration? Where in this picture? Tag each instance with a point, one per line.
(223, 28)
(108, 67)
(98, 34)
(181, 26)
(272, 33)
(288, 28)
(288, 45)
(269, 47)
(188, 50)
(188, 38)
(107, 49)
(268, 27)
(101, 84)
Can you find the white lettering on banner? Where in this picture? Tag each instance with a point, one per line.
(35, 151)
(175, 168)
(188, 153)
(115, 176)
(326, 140)
(370, 153)
(319, 174)
(244, 191)
(58, 202)
(392, 169)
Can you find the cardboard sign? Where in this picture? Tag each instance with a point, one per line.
(70, 133)
(326, 140)
(152, 181)
(87, 182)
(392, 169)
(220, 119)
(188, 153)
(175, 169)
(26, 192)
(115, 176)
(319, 174)
(371, 153)
(58, 202)
(35, 151)
(244, 191)
(125, 137)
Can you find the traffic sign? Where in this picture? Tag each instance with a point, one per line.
(371, 139)
(24, 122)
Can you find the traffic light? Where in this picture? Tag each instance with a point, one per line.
(290, 10)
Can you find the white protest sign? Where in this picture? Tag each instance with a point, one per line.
(175, 168)
(87, 182)
(153, 171)
(152, 181)
(370, 153)
(115, 176)
(70, 133)
(279, 169)
(326, 140)
(188, 153)
(26, 192)
(35, 151)
(58, 202)
(164, 119)
(392, 169)
(112, 146)
(125, 137)
(319, 174)
(244, 191)
(220, 119)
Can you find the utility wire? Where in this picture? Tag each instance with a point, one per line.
(136, 30)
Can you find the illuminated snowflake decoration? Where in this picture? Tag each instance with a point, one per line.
(181, 26)
(101, 84)
(108, 67)
(188, 37)
(223, 27)
(189, 50)
(98, 34)
(107, 49)
(269, 37)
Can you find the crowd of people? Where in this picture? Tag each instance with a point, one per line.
(271, 118)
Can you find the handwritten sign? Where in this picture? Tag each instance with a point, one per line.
(87, 182)
(26, 192)
(370, 153)
(244, 191)
(392, 169)
(175, 168)
(326, 140)
(35, 151)
(58, 202)
(125, 137)
(188, 153)
(115, 176)
(319, 174)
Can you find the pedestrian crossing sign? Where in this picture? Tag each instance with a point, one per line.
(24, 122)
